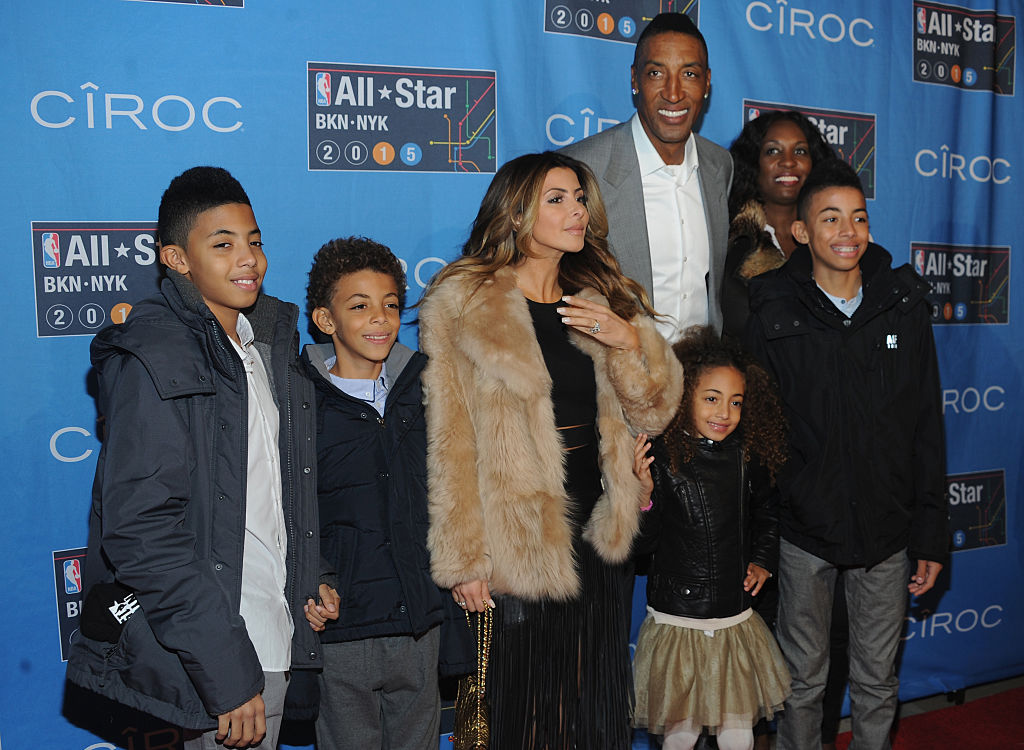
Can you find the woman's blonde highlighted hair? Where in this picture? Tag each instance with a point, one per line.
(504, 224)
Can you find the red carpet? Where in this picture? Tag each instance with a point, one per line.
(993, 723)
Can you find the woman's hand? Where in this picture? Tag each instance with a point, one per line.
(473, 596)
(599, 322)
(756, 576)
(642, 467)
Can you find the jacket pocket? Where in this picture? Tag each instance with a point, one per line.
(138, 672)
(784, 325)
(141, 664)
(686, 589)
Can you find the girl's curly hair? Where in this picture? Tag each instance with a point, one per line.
(762, 427)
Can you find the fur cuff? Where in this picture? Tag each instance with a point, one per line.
(649, 382)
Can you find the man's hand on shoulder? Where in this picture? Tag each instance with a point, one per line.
(245, 726)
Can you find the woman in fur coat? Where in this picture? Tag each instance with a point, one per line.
(772, 157)
(544, 360)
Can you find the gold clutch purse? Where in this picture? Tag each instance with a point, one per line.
(472, 728)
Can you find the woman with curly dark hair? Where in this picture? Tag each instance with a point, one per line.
(772, 157)
(704, 658)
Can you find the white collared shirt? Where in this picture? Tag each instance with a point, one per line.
(264, 607)
(677, 234)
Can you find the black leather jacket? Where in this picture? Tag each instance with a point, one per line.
(708, 522)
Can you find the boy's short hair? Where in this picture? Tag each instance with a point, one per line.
(346, 255)
(830, 173)
(680, 23)
(193, 191)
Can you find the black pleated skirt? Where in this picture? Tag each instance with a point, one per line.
(559, 675)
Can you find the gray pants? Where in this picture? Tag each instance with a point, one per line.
(877, 603)
(380, 693)
(273, 700)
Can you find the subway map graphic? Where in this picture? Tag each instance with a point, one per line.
(977, 509)
(385, 118)
(614, 20)
(851, 134)
(963, 48)
(970, 283)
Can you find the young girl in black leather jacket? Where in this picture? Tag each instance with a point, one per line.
(704, 658)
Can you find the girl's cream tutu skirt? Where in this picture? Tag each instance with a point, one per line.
(720, 679)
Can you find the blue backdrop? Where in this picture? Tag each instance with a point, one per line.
(387, 120)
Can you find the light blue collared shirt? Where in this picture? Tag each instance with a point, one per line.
(373, 392)
(846, 306)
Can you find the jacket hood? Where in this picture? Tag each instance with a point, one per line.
(316, 355)
(161, 332)
(881, 280)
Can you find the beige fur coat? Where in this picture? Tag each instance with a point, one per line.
(498, 508)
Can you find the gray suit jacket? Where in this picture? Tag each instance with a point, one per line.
(612, 157)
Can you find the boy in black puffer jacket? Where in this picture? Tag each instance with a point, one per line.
(379, 685)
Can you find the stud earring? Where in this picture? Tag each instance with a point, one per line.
(706, 94)
(635, 92)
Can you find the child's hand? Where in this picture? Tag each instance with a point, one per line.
(245, 726)
(924, 578)
(328, 609)
(756, 576)
(642, 467)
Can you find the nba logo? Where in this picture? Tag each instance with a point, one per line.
(51, 250)
(323, 89)
(922, 19)
(919, 261)
(73, 576)
(753, 114)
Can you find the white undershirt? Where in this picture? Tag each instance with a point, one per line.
(263, 606)
(677, 234)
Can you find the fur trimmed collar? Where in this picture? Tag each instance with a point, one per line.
(496, 332)
(763, 254)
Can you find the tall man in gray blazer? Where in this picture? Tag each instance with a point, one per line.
(665, 187)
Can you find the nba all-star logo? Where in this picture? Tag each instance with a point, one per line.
(851, 134)
(969, 283)
(977, 509)
(67, 582)
(967, 49)
(612, 20)
(88, 274)
(385, 118)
